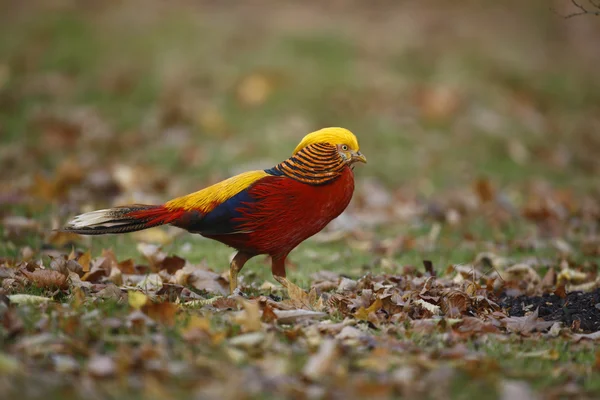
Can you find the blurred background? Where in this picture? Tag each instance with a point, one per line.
(455, 104)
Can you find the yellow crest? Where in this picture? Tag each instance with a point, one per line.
(333, 136)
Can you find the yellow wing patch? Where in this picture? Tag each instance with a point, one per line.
(208, 198)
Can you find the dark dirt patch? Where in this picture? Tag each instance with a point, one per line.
(577, 306)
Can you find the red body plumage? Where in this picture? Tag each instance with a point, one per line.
(287, 212)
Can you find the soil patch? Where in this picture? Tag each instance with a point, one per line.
(577, 306)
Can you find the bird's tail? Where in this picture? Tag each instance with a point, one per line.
(121, 219)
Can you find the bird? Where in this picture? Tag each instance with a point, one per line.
(268, 211)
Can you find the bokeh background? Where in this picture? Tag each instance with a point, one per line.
(455, 104)
(481, 124)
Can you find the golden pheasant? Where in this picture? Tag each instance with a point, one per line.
(258, 212)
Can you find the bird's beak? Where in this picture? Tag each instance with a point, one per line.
(358, 156)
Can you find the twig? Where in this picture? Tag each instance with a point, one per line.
(584, 10)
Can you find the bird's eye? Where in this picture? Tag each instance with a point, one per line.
(344, 147)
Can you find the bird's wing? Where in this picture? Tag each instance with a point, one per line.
(213, 210)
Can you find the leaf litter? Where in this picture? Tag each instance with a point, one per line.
(338, 328)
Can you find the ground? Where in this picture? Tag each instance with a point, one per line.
(466, 264)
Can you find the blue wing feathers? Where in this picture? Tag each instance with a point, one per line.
(222, 220)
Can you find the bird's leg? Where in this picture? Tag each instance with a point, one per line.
(235, 267)
(278, 270)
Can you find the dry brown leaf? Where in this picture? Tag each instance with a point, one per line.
(473, 325)
(362, 313)
(127, 266)
(201, 279)
(300, 299)
(46, 279)
(268, 314)
(84, 260)
(293, 316)
(321, 364)
(153, 254)
(163, 313)
(527, 324)
(75, 281)
(172, 264)
(588, 336)
(112, 292)
(197, 328)
(249, 341)
(549, 278)
(250, 317)
(454, 303)
(99, 269)
(432, 308)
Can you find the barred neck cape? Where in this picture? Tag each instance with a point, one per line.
(316, 164)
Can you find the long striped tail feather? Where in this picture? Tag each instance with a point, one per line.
(121, 219)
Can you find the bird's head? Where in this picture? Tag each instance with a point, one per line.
(341, 138)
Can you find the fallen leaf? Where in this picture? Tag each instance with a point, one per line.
(172, 264)
(27, 299)
(160, 312)
(46, 279)
(300, 299)
(100, 366)
(561, 290)
(84, 260)
(201, 279)
(151, 283)
(197, 329)
(248, 340)
(127, 266)
(75, 281)
(293, 316)
(250, 317)
(321, 364)
(454, 303)
(136, 299)
(349, 332)
(571, 276)
(268, 314)
(346, 285)
(362, 313)
(589, 336)
(432, 308)
(527, 324)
